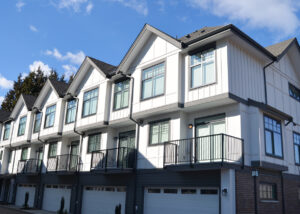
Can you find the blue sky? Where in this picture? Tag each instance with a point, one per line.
(59, 33)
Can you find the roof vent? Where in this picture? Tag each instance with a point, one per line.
(188, 36)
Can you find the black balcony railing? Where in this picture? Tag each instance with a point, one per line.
(219, 148)
(63, 163)
(117, 158)
(29, 166)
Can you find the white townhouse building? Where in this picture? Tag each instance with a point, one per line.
(208, 123)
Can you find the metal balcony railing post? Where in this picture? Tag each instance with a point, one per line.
(92, 160)
(176, 154)
(222, 149)
(118, 156)
(106, 159)
(123, 159)
(195, 148)
(56, 163)
(164, 158)
(243, 153)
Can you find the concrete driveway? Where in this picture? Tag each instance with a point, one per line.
(5, 210)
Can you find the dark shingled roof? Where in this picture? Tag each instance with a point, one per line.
(29, 100)
(60, 87)
(4, 115)
(108, 69)
(199, 33)
(279, 48)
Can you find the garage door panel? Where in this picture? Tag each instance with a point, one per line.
(183, 200)
(52, 197)
(106, 199)
(20, 196)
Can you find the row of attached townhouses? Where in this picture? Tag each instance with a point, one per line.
(207, 123)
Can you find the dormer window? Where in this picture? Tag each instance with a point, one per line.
(50, 116)
(202, 68)
(153, 81)
(90, 100)
(71, 111)
(121, 95)
(22, 126)
(6, 131)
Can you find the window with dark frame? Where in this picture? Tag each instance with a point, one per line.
(159, 132)
(24, 153)
(267, 191)
(153, 81)
(203, 68)
(294, 92)
(121, 95)
(52, 150)
(71, 111)
(273, 137)
(50, 116)
(37, 122)
(94, 143)
(297, 147)
(90, 101)
(22, 126)
(1, 154)
(6, 131)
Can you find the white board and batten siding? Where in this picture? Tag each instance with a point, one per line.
(98, 199)
(22, 189)
(188, 200)
(52, 197)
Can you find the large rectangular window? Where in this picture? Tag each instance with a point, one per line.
(90, 100)
(294, 92)
(37, 122)
(297, 147)
(50, 116)
(267, 191)
(52, 150)
(203, 68)
(71, 111)
(6, 131)
(94, 143)
(159, 132)
(121, 95)
(24, 153)
(273, 138)
(153, 81)
(22, 126)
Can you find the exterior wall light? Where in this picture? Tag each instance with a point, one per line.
(190, 126)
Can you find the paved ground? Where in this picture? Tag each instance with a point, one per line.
(4, 210)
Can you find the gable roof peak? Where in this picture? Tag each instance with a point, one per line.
(107, 69)
(280, 48)
(59, 86)
(4, 115)
(29, 100)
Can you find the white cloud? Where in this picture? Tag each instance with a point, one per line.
(139, 6)
(1, 100)
(74, 5)
(277, 16)
(33, 28)
(89, 7)
(161, 4)
(20, 5)
(75, 58)
(5, 83)
(69, 70)
(39, 64)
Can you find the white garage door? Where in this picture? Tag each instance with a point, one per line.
(103, 200)
(181, 200)
(21, 191)
(53, 195)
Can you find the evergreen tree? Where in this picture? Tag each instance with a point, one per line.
(31, 85)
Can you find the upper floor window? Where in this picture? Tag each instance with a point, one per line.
(22, 126)
(159, 132)
(71, 111)
(294, 92)
(121, 95)
(6, 131)
(94, 142)
(273, 137)
(24, 153)
(52, 150)
(1, 155)
(267, 191)
(50, 116)
(153, 81)
(90, 100)
(37, 122)
(203, 68)
(297, 147)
